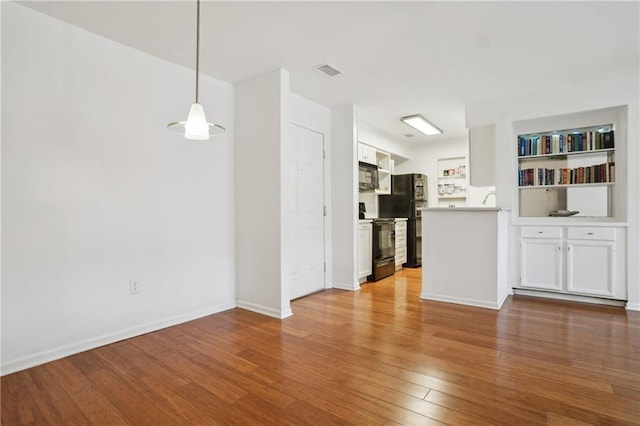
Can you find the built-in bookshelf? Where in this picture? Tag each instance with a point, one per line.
(573, 166)
(572, 203)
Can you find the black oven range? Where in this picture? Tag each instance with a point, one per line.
(384, 249)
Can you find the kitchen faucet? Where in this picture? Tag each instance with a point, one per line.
(487, 196)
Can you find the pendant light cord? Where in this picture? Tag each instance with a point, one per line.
(197, 47)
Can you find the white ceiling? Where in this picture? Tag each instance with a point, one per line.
(397, 58)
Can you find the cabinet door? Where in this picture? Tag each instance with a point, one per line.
(365, 233)
(541, 263)
(366, 154)
(401, 249)
(591, 267)
(401, 243)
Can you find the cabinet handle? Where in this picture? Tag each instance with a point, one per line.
(589, 233)
(540, 232)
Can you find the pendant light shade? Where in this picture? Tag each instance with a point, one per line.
(196, 127)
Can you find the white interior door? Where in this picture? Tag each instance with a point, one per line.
(304, 212)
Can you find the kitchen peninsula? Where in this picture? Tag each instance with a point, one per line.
(464, 252)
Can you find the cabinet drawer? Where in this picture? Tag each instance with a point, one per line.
(591, 233)
(541, 232)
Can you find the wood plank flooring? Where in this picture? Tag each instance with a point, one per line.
(380, 356)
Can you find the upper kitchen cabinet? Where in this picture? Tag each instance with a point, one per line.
(482, 152)
(367, 154)
(370, 155)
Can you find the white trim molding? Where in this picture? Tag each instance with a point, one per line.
(43, 357)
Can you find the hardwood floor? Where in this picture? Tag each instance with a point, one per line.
(377, 356)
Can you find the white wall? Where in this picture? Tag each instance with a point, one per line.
(261, 118)
(344, 196)
(383, 142)
(424, 159)
(1, 115)
(96, 192)
(310, 115)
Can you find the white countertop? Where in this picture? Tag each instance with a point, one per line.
(369, 219)
(464, 209)
(536, 221)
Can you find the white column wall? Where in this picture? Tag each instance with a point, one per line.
(96, 192)
(344, 196)
(261, 118)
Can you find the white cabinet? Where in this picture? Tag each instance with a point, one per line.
(590, 267)
(367, 154)
(401, 242)
(482, 152)
(541, 258)
(370, 155)
(365, 249)
(591, 259)
(583, 260)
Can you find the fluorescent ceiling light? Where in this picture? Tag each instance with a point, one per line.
(420, 123)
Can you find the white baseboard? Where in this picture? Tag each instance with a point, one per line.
(570, 297)
(264, 310)
(633, 306)
(43, 357)
(345, 286)
(504, 298)
(463, 301)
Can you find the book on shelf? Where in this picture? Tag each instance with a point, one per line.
(541, 176)
(564, 143)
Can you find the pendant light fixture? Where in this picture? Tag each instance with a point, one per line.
(196, 127)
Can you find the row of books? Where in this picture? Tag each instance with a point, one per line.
(562, 144)
(539, 176)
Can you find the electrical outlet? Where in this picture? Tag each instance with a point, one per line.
(134, 287)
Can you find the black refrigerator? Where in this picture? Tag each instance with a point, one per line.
(408, 194)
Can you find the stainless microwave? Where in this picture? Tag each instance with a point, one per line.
(367, 177)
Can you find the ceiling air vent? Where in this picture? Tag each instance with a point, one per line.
(328, 70)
